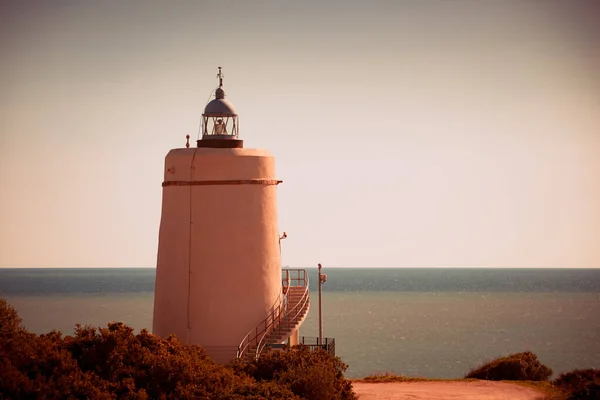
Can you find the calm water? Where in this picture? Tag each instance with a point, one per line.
(426, 322)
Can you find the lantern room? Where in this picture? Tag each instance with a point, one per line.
(220, 121)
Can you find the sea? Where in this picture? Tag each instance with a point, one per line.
(428, 322)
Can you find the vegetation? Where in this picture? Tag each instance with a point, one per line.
(115, 363)
(515, 367)
(525, 367)
(309, 374)
(386, 377)
(580, 384)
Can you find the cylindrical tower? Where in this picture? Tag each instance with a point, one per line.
(219, 269)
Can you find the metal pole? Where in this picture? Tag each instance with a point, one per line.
(320, 315)
(280, 239)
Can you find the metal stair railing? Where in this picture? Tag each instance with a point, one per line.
(291, 316)
(273, 319)
(251, 337)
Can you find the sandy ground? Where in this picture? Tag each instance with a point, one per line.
(475, 390)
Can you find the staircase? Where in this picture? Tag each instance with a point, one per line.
(286, 316)
(298, 303)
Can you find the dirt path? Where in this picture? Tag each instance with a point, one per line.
(475, 390)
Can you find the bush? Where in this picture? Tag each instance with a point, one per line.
(115, 363)
(145, 365)
(309, 374)
(515, 367)
(580, 384)
(391, 377)
(34, 366)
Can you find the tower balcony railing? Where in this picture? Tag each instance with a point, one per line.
(312, 343)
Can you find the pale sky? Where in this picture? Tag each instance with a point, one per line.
(407, 132)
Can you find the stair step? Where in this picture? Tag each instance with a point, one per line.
(287, 324)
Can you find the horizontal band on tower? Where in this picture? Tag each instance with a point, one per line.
(265, 182)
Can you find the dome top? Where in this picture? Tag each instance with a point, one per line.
(219, 107)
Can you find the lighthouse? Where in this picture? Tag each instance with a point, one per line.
(219, 281)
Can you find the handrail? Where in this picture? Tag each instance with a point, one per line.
(274, 317)
(248, 339)
(312, 343)
(290, 316)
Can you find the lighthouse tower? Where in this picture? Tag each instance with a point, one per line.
(219, 271)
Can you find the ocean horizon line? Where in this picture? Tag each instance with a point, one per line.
(314, 267)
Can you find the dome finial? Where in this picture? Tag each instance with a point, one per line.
(220, 76)
(220, 93)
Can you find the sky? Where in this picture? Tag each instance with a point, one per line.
(407, 133)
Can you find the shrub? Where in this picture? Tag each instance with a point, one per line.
(591, 391)
(313, 375)
(390, 377)
(246, 388)
(515, 367)
(580, 384)
(115, 363)
(34, 366)
(146, 365)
